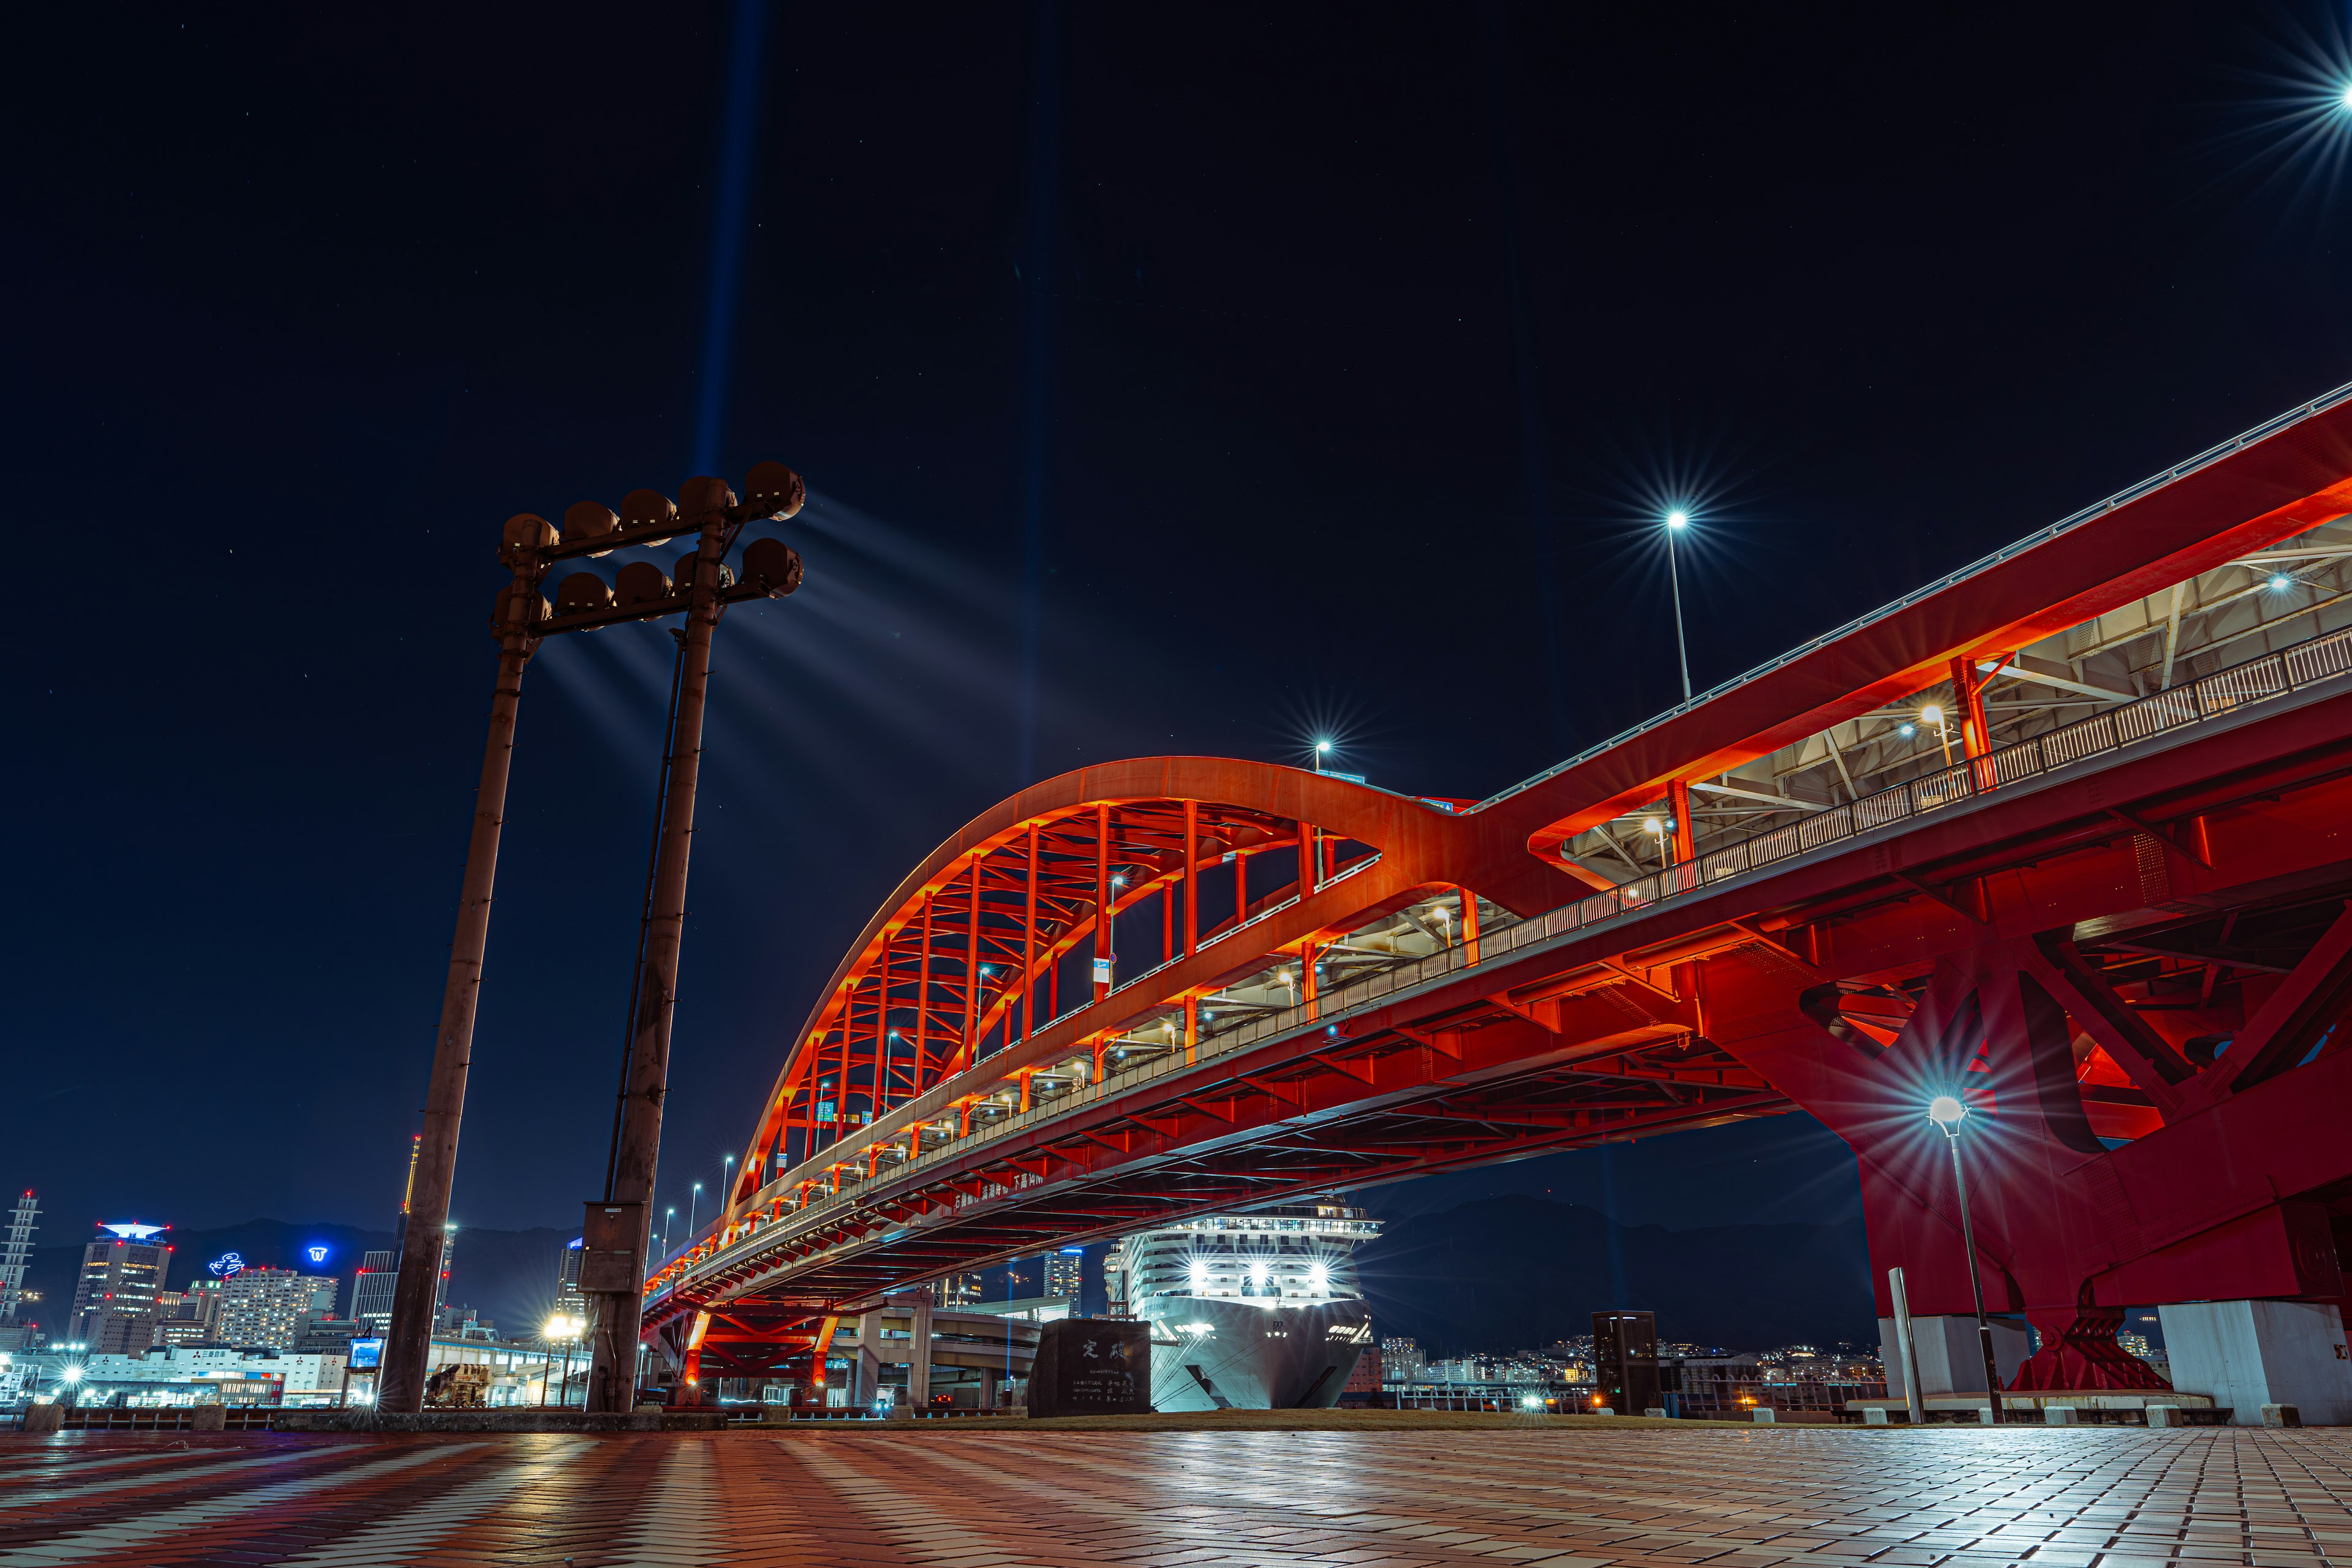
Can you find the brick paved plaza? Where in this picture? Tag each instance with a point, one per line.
(2096, 1497)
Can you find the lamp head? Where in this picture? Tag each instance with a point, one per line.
(2281, 581)
(1947, 1112)
(1678, 518)
(1651, 825)
(1933, 714)
(1322, 745)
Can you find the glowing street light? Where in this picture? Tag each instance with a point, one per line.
(1948, 1114)
(1322, 749)
(1932, 714)
(1677, 520)
(2347, 99)
(2279, 581)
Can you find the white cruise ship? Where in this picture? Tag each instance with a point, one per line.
(1249, 1311)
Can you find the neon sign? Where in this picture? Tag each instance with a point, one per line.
(318, 1254)
(227, 1265)
(133, 1231)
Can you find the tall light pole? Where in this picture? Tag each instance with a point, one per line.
(1947, 1112)
(711, 509)
(1321, 749)
(693, 1205)
(1677, 521)
(530, 546)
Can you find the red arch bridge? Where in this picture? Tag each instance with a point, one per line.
(2064, 832)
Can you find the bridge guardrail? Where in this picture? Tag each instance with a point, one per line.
(2218, 695)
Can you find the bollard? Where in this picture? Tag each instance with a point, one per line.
(2162, 1414)
(1874, 1415)
(2061, 1414)
(2281, 1416)
(1657, 1413)
(1764, 1414)
(1985, 1417)
(208, 1418)
(45, 1417)
(1602, 1410)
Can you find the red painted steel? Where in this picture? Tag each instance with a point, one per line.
(2067, 947)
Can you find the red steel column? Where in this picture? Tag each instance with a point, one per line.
(408, 1341)
(971, 975)
(1191, 875)
(1029, 946)
(612, 1370)
(923, 1007)
(1976, 734)
(1469, 924)
(1678, 803)
(1102, 898)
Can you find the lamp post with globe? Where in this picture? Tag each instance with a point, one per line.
(1948, 1114)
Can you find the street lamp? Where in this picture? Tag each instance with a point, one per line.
(1948, 1114)
(1932, 714)
(693, 1204)
(1321, 749)
(1656, 828)
(1677, 520)
(667, 1217)
(566, 1329)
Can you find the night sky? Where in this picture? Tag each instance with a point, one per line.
(1318, 369)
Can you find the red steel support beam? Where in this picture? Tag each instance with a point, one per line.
(1191, 875)
(1029, 947)
(1102, 901)
(972, 970)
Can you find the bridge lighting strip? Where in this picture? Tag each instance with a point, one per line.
(2221, 695)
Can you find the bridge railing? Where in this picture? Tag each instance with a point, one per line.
(2218, 695)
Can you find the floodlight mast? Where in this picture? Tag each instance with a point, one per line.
(530, 545)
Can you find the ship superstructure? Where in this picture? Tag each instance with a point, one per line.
(1256, 1311)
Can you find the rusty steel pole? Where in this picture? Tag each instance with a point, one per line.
(619, 1315)
(408, 1341)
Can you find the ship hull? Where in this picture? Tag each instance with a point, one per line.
(1218, 1355)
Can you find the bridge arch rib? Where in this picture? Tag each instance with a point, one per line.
(994, 950)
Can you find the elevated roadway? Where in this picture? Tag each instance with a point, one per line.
(2059, 833)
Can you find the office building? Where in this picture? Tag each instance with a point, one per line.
(16, 1256)
(114, 1297)
(569, 1301)
(956, 1289)
(186, 1316)
(265, 1307)
(371, 1290)
(1065, 1271)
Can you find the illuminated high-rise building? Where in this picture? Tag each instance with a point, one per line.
(16, 1255)
(114, 1304)
(1065, 1272)
(265, 1307)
